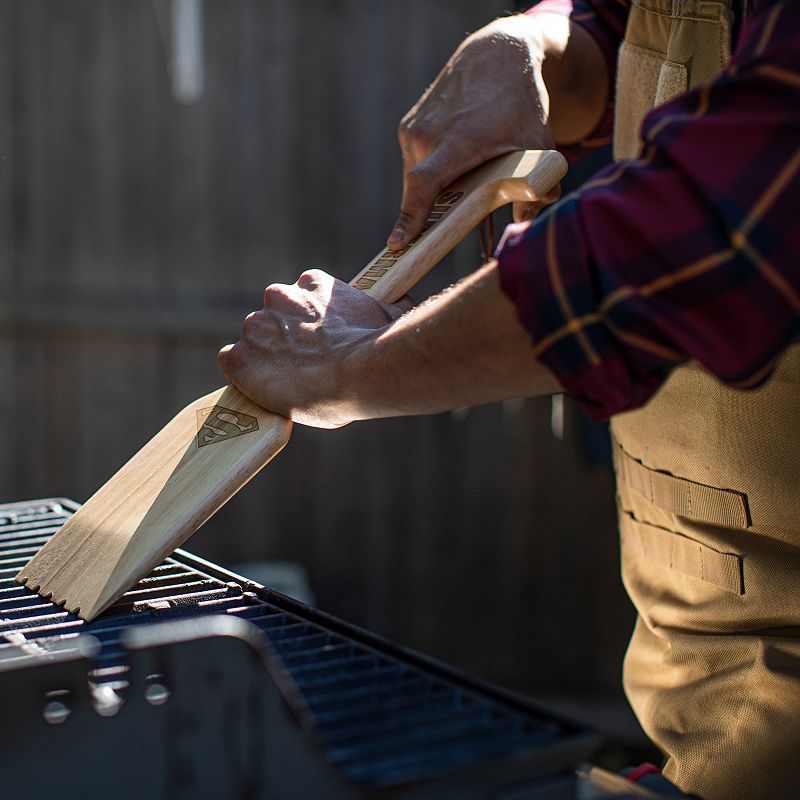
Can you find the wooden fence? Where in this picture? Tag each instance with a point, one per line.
(136, 232)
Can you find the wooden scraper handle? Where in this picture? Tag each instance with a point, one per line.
(523, 176)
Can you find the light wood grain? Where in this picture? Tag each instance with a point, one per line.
(217, 443)
(521, 176)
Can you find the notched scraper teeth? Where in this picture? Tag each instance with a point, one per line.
(67, 606)
(64, 602)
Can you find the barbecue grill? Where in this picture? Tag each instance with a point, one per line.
(200, 683)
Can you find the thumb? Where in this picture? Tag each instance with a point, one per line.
(421, 186)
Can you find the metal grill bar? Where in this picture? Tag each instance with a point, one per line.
(379, 719)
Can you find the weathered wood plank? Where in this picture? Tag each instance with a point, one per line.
(33, 423)
(8, 166)
(28, 34)
(141, 231)
(12, 484)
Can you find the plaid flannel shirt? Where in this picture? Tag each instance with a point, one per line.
(691, 251)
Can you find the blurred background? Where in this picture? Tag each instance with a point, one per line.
(160, 163)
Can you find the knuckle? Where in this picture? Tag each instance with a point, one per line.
(231, 358)
(417, 130)
(406, 124)
(420, 174)
(275, 294)
(312, 278)
(250, 322)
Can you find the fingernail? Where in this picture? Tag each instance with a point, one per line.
(396, 236)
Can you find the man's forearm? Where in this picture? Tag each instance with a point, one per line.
(463, 347)
(574, 73)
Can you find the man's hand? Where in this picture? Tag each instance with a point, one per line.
(488, 100)
(492, 97)
(291, 353)
(325, 354)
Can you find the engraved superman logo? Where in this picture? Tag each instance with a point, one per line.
(219, 424)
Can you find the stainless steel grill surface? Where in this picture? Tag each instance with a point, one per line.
(382, 715)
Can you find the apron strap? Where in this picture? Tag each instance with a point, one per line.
(683, 555)
(681, 496)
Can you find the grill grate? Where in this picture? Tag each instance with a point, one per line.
(380, 718)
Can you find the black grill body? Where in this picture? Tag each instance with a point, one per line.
(199, 683)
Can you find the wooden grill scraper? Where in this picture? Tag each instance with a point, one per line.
(217, 443)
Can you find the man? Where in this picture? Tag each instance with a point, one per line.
(655, 295)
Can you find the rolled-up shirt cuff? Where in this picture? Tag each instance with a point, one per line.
(586, 359)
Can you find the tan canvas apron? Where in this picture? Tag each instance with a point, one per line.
(709, 508)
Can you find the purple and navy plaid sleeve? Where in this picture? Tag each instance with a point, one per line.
(691, 252)
(605, 22)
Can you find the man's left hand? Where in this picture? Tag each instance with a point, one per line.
(291, 355)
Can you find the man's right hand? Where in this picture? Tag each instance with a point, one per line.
(491, 99)
(488, 100)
